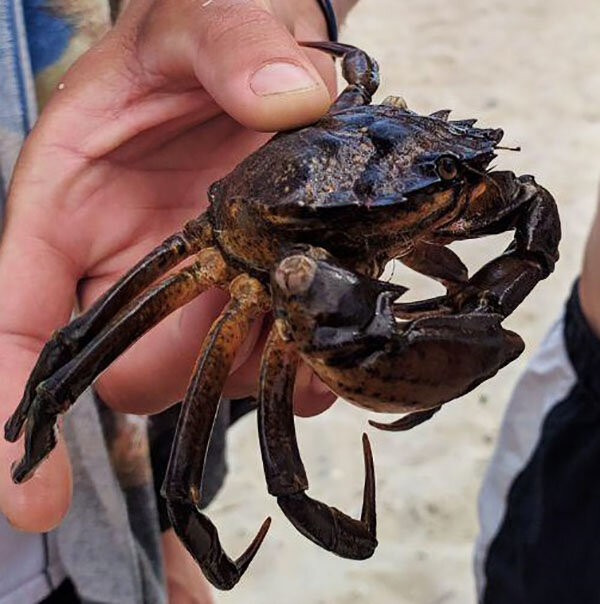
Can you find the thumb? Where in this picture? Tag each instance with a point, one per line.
(242, 55)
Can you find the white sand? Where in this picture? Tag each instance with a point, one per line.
(530, 67)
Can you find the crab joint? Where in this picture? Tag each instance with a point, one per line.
(395, 101)
(283, 330)
(295, 274)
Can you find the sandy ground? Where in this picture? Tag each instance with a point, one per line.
(530, 67)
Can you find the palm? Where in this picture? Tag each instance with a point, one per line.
(147, 193)
(121, 205)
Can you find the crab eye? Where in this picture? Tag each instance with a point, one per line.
(447, 168)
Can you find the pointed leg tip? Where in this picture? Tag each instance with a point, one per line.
(369, 512)
(20, 472)
(262, 532)
(9, 432)
(408, 422)
(368, 454)
(13, 429)
(246, 558)
(379, 425)
(335, 48)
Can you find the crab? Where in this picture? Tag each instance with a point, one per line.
(303, 229)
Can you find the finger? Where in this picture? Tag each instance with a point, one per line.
(155, 371)
(311, 397)
(37, 285)
(184, 581)
(40, 503)
(242, 55)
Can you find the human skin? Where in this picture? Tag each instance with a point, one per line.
(184, 581)
(122, 155)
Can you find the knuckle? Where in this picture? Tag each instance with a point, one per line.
(236, 23)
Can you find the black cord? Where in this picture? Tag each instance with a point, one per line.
(332, 27)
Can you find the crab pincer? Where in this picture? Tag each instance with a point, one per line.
(345, 328)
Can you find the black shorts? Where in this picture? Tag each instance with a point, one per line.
(540, 501)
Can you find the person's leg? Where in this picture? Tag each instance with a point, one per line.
(538, 505)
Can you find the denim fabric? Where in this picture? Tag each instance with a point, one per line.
(17, 97)
(109, 543)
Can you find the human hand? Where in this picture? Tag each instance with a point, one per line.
(120, 158)
(185, 584)
(589, 283)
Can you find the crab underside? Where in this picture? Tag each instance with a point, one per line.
(329, 309)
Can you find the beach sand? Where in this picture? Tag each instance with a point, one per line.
(530, 67)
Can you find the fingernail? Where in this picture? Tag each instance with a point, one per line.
(281, 78)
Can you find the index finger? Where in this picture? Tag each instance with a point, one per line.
(37, 282)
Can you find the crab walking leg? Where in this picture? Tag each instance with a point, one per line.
(56, 394)
(69, 340)
(443, 265)
(408, 422)
(359, 70)
(504, 282)
(438, 262)
(508, 279)
(183, 483)
(286, 478)
(422, 308)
